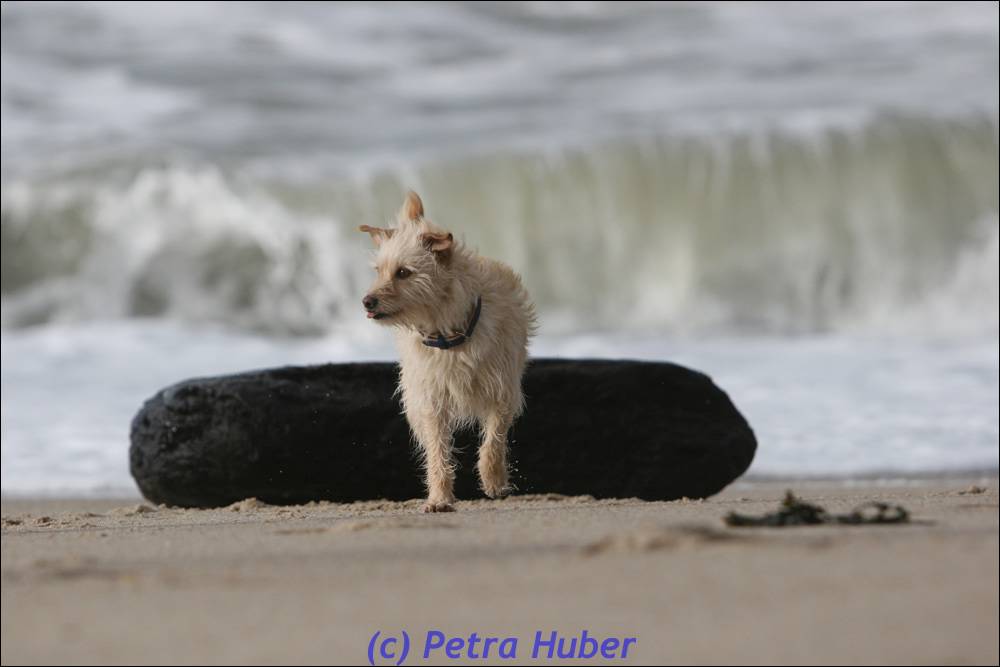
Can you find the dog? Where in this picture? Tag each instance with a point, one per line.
(462, 324)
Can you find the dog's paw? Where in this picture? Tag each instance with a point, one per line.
(434, 507)
(494, 481)
(497, 489)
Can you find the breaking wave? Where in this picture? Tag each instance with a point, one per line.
(889, 224)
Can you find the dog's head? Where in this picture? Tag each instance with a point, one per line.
(412, 262)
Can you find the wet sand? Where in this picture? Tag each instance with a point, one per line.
(90, 581)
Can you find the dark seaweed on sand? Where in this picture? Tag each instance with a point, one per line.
(794, 512)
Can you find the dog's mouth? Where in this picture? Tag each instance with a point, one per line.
(373, 315)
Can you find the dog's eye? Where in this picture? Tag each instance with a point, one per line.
(403, 273)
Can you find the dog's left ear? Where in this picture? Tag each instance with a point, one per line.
(413, 208)
(438, 243)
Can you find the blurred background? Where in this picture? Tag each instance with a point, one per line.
(799, 199)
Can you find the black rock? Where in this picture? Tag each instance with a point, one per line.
(655, 431)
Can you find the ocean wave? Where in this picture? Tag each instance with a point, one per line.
(886, 224)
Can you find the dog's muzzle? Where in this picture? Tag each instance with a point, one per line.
(371, 304)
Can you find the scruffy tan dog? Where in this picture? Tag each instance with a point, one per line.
(462, 325)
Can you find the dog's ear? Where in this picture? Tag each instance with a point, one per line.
(413, 208)
(378, 234)
(438, 243)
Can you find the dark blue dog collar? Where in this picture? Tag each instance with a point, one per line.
(443, 342)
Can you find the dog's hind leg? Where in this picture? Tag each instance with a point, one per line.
(493, 476)
(434, 435)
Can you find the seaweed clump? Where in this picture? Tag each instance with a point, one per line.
(795, 512)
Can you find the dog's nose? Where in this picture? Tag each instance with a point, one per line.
(370, 302)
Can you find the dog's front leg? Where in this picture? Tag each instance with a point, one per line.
(493, 455)
(434, 434)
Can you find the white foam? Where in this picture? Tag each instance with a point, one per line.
(864, 230)
(344, 80)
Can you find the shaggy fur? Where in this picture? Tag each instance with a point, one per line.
(428, 283)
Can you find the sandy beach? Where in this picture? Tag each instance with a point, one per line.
(90, 581)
